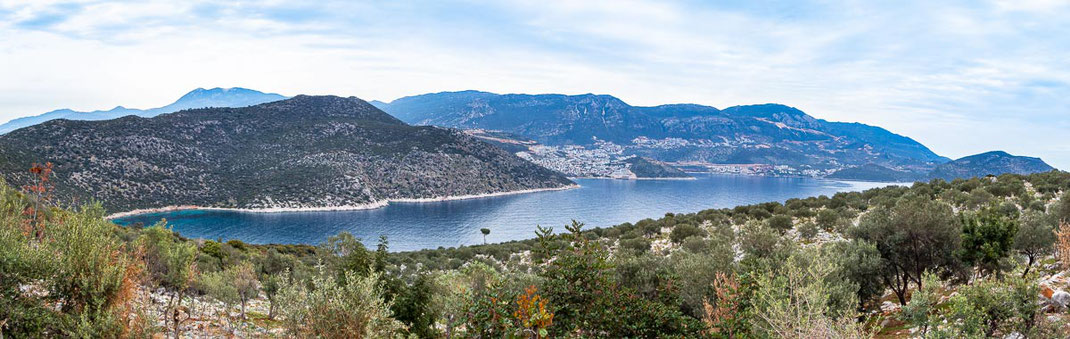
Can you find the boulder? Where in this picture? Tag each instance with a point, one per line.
(1061, 299)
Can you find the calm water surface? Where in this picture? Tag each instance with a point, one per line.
(411, 226)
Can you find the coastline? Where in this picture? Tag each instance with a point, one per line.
(357, 207)
(661, 178)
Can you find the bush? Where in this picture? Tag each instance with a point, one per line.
(798, 300)
(991, 306)
(807, 230)
(327, 308)
(683, 231)
(780, 222)
(636, 244)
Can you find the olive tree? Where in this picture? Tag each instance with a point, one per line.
(1035, 237)
(914, 235)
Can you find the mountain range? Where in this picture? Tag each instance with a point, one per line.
(770, 134)
(307, 151)
(198, 98)
(752, 134)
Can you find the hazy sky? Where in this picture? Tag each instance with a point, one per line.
(960, 77)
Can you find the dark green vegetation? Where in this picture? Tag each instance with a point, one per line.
(649, 168)
(762, 134)
(996, 162)
(302, 152)
(198, 98)
(807, 268)
(874, 172)
(979, 165)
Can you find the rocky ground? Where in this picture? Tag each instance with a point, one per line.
(204, 317)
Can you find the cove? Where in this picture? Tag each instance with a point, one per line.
(414, 226)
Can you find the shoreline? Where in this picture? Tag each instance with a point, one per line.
(661, 178)
(357, 207)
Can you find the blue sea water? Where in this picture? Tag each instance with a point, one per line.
(413, 226)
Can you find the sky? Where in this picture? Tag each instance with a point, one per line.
(961, 77)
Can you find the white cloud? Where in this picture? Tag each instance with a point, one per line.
(960, 78)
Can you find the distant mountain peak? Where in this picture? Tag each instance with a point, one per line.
(197, 98)
(989, 163)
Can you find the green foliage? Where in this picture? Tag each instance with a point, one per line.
(993, 306)
(987, 238)
(807, 230)
(683, 231)
(636, 244)
(1035, 237)
(860, 263)
(326, 307)
(780, 222)
(412, 306)
(920, 312)
(80, 275)
(915, 235)
(585, 299)
(760, 241)
(345, 253)
(696, 271)
(802, 299)
(171, 263)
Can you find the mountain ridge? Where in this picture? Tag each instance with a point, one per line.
(307, 151)
(197, 98)
(989, 163)
(765, 133)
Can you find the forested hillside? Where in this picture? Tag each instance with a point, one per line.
(983, 257)
(304, 152)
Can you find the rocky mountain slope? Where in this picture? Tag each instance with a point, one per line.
(994, 163)
(198, 98)
(308, 151)
(756, 134)
(874, 172)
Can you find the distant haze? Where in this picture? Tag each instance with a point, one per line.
(961, 78)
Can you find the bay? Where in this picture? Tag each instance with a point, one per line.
(413, 226)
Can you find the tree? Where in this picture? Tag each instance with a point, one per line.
(1061, 208)
(683, 231)
(916, 234)
(485, 231)
(345, 253)
(1035, 237)
(723, 317)
(325, 307)
(860, 263)
(245, 282)
(780, 222)
(275, 268)
(920, 311)
(798, 300)
(171, 264)
(987, 238)
(828, 219)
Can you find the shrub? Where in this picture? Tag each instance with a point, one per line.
(780, 222)
(328, 308)
(683, 231)
(807, 230)
(991, 306)
(797, 301)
